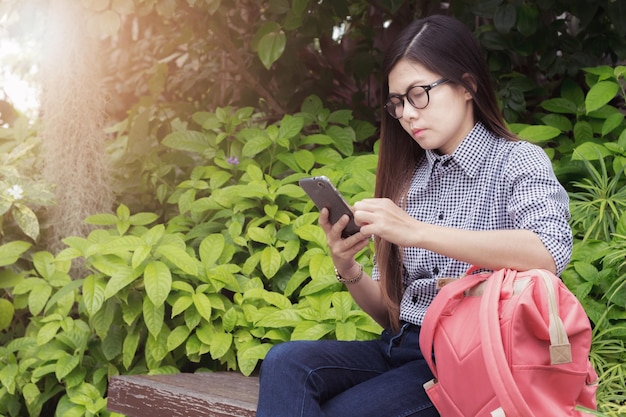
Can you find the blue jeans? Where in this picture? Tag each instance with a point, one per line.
(376, 378)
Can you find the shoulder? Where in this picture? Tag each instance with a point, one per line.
(525, 156)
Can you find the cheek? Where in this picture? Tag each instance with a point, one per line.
(406, 126)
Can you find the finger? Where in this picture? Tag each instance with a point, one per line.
(324, 221)
(341, 224)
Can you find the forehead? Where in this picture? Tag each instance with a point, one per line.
(408, 73)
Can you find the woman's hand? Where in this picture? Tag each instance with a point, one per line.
(342, 250)
(384, 218)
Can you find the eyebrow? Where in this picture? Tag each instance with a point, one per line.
(415, 84)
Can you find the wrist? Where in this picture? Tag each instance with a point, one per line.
(351, 276)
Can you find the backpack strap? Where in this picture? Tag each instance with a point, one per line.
(500, 375)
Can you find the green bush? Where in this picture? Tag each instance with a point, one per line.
(233, 261)
(239, 266)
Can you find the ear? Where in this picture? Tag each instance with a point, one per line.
(472, 82)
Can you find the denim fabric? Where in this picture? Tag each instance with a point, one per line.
(377, 378)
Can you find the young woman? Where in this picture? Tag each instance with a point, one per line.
(454, 188)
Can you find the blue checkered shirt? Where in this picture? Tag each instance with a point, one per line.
(488, 183)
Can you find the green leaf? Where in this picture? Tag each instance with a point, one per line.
(504, 17)
(342, 302)
(141, 253)
(345, 331)
(102, 320)
(279, 319)
(589, 151)
(556, 120)
(142, 219)
(203, 305)
(559, 105)
(133, 308)
(272, 298)
(528, 19)
(65, 365)
(113, 342)
(290, 126)
(583, 131)
(129, 347)
(117, 246)
(38, 297)
(8, 373)
(158, 282)
(177, 337)
(93, 294)
(537, 134)
(179, 257)
(343, 137)
(255, 146)
(120, 279)
(6, 313)
(309, 330)
(153, 316)
(600, 94)
(220, 344)
(611, 123)
(181, 304)
(270, 261)
(187, 140)
(47, 332)
(26, 219)
(261, 235)
(318, 139)
(248, 358)
(211, 249)
(10, 278)
(312, 233)
(11, 252)
(305, 159)
(271, 47)
(5, 204)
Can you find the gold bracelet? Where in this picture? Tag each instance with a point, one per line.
(354, 280)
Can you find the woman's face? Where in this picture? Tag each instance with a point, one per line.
(447, 119)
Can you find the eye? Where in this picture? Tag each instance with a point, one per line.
(417, 92)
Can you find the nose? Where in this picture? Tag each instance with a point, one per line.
(409, 112)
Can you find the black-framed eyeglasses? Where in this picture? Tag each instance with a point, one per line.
(417, 95)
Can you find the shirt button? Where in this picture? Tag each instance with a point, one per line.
(435, 270)
(414, 299)
(440, 217)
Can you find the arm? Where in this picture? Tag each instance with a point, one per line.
(366, 293)
(494, 249)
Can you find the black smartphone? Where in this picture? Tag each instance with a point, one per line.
(324, 194)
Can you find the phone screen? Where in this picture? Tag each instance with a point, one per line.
(324, 194)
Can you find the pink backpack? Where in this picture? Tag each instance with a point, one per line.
(508, 343)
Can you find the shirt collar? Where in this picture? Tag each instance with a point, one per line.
(469, 155)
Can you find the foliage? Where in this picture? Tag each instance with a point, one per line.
(586, 134)
(233, 264)
(582, 129)
(239, 266)
(189, 55)
(214, 254)
(23, 192)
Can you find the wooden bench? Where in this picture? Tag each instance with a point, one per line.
(210, 394)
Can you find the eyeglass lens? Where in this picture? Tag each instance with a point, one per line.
(417, 96)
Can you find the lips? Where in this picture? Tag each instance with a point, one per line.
(417, 132)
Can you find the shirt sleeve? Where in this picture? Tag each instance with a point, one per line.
(538, 202)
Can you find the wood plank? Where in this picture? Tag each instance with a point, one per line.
(210, 394)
